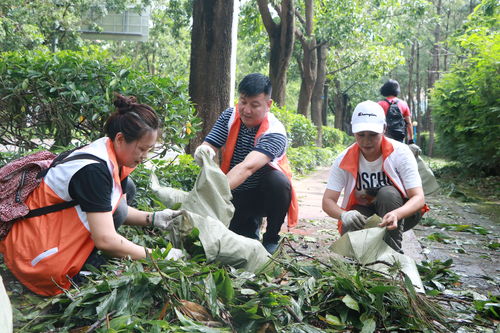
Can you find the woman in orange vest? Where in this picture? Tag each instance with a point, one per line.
(46, 251)
(379, 176)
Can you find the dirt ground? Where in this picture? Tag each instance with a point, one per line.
(475, 263)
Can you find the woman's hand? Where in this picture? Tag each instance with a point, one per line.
(390, 220)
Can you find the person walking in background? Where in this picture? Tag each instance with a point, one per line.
(378, 175)
(46, 252)
(398, 115)
(254, 143)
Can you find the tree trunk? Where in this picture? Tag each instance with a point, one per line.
(434, 74)
(418, 111)
(210, 78)
(445, 46)
(309, 66)
(338, 101)
(317, 94)
(281, 39)
(309, 61)
(324, 108)
(410, 77)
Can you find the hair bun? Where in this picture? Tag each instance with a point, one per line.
(124, 103)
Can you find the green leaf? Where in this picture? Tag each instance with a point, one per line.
(24, 85)
(333, 320)
(124, 73)
(245, 291)
(381, 289)
(224, 285)
(350, 302)
(103, 308)
(369, 325)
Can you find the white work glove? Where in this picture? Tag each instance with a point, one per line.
(352, 220)
(163, 218)
(199, 152)
(415, 149)
(174, 254)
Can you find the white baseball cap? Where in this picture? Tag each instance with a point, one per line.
(368, 116)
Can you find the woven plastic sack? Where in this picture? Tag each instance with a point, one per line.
(368, 247)
(208, 208)
(429, 183)
(5, 310)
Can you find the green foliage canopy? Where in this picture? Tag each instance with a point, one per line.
(68, 95)
(466, 100)
(35, 24)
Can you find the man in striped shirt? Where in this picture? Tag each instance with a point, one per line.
(254, 144)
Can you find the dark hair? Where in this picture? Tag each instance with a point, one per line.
(390, 88)
(131, 118)
(255, 84)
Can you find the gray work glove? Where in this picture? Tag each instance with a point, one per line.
(198, 158)
(352, 220)
(415, 149)
(162, 219)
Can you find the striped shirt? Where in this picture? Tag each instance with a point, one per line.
(272, 145)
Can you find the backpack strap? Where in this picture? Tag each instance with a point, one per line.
(395, 101)
(66, 204)
(50, 209)
(57, 161)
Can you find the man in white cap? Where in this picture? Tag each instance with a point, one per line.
(379, 176)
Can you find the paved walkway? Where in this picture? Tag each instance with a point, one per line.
(315, 224)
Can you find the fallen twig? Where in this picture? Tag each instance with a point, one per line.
(449, 298)
(306, 255)
(98, 323)
(294, 315)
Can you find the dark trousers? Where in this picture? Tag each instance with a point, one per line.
(271, 199)
(387, 199)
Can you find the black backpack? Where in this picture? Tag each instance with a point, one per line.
(396, 124)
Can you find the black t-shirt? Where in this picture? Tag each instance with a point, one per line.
(91, 188)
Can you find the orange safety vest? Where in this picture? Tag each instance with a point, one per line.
(44, 252)
(279, 163)
(350, 163)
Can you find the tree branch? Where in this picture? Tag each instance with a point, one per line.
(320, 44)
(277, 9)
(341, 69)
(99, 322)
(266, 16)
(349, 88)
(299, 16)
(300, 36)
(306, 255)
(299, 64)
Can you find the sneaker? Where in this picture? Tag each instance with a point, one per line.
(271, 247)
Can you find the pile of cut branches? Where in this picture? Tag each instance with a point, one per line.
(290, 295)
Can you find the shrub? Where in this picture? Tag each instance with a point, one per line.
(300, 130)
(465, 101)
(67, 96)
(306, 158)
(333, 137)
(179, 173)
